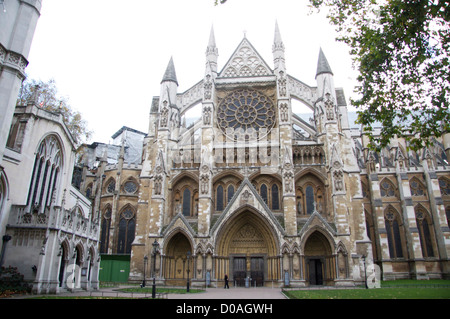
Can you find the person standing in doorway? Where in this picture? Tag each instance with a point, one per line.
(226, 282)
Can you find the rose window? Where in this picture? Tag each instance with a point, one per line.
(246, 114)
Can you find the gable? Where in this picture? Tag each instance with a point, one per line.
(247, 196)
(245, 62)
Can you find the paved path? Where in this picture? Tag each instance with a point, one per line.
(233, 293)
(210, 293)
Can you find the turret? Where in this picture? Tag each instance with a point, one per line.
(169, 113)
(324, 78)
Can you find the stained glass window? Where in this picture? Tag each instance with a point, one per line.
(275, 198)
(130, 187)
(424, 233)
(219, 198)
(444, 184)
(417, 189)
(244, 113)
(264, 193)
(230, 193)
(187, 202)
(309, 200)
(393, 234)
(106, 225)
(387, 189)
(127, 225)
(111, 187)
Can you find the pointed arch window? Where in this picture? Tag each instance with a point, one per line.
(309, 199)
(44, 179)
(417, 188)
(127, 226)
(230, 193)
(444, 185)
(187, 202)
(263, 191)
(111, 186)
(425, 231)
(393, 233)
(387, 188)
(105, 230)
(219, 198)
(275, 197)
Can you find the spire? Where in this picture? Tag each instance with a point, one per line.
(277, 42)
(278, 50)
(212, 39)
(170, 74)
(212, 52)
(322, 64)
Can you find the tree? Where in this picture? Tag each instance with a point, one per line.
(401, 50)
(46, 95)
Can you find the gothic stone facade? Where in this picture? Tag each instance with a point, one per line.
(252, 190)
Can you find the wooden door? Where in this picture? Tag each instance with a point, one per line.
(239, 271)
(257, 271)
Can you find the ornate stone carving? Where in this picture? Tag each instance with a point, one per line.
(282, 85)
(207, 86)
(284, 114)
(204, 184)
(329, 108)
(207, 115)
(164, 115)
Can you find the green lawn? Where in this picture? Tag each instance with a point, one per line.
(148, 290)
(399, 289)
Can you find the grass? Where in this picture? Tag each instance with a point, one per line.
(398, 289)
(148, 290)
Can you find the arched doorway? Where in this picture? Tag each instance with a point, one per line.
(319, 260)
(176, 265)
(247, 248)
(64, 259)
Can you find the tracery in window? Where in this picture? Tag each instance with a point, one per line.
(130, 187)
(425, 231)
(444, 185)
(310, 195)
(46, 170)
(246, 114)
(184, 197)
(393, 233)
(127, 226)
(224, 190)
(417, 188)
(111, 186)
(387, 188)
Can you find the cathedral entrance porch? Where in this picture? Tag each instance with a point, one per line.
(248, 249)
(319, 260)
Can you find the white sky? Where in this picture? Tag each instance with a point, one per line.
(108, 56)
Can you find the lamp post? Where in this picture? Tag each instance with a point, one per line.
(145, 267)
(365, 274)
(155, 250)
(188, 257)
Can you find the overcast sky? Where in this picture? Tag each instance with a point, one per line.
(108, 56)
